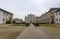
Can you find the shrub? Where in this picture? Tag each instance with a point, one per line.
(36, 24)
(14, 21)
(27, 24)
(8, 22)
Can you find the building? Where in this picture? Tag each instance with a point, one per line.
(30, 18)
(17, 20)
(52, 16)
(5, 17)
(37, 19)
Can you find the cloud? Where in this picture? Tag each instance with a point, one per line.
(20, 8)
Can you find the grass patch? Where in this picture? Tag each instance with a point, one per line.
(10, 32)
(18, 25)
(52, 31)
(22, 24)
(13, 35)
(12, 27)
(48, 25)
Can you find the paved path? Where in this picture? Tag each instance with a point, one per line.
(32, 32)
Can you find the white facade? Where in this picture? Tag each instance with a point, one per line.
(57, 17)
(1, 17)
(52, 16)
(5, 16)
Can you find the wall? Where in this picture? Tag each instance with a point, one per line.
(57, 17)
(1, 17)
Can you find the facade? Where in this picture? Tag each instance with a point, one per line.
(30, 18)
(5, 16)
(52, 16)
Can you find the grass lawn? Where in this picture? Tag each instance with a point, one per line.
(10, 32)
(52, 30)
(18, 25)
(48, 25)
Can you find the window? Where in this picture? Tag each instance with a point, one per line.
(59, 19)
(4, 13)
(56, 20)
(56, 13)
(3, 19)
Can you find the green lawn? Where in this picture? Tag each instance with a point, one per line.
(18, 25)
(48, 25)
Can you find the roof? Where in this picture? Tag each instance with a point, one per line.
(44, 14)
(6, 11)
(54, 9)
(51, 9)
(37, 17)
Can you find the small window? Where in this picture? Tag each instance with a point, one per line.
(56, 20)
(4, 13)
(56, 13)
(3, 19)
(7, 13)
(59, 19)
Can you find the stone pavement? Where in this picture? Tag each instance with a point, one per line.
(32, 32)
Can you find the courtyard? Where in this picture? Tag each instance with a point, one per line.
(12, 32)
(53, 30)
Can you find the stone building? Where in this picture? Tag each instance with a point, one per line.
(30, 18)
(52, 16)
(5, 16)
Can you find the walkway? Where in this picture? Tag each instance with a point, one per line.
(32, 32)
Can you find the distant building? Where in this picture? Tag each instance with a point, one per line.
(52, 16)
(30, 18)
(17, 20)
(5, 16)
(37, 19)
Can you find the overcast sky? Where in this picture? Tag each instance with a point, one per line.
(20, 8)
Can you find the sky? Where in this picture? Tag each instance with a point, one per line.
(21, 8)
